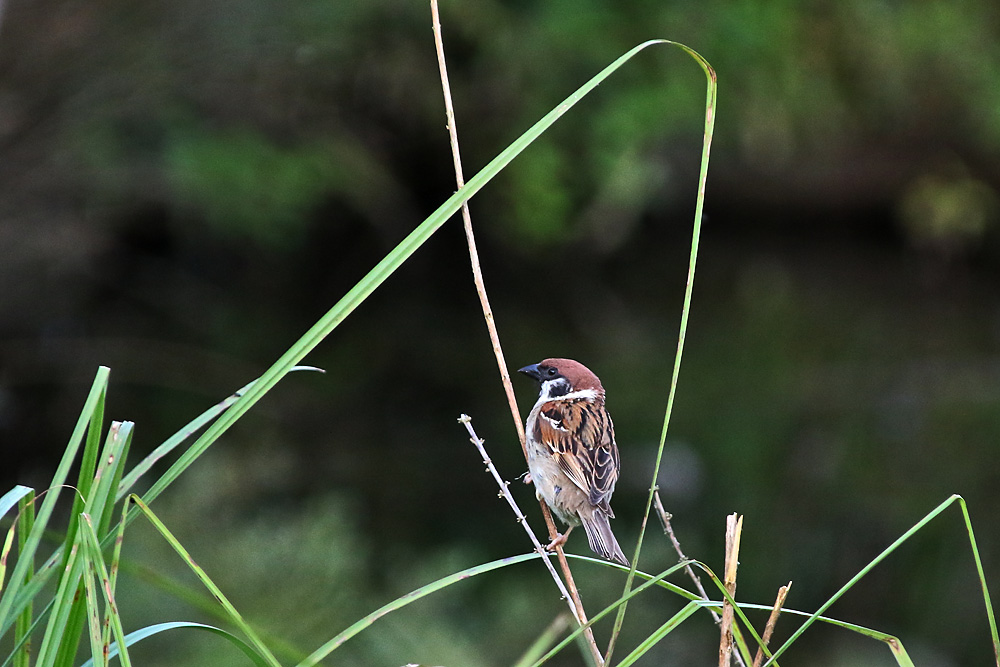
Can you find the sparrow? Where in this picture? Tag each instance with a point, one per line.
(572, 455)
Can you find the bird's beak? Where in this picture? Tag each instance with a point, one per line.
(531, 371)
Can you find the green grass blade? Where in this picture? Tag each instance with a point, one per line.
(25, 559)
(176, 439)
(93, 616)
(186, 432)
(98, 502)
(116, 555)
(117, 470)
(20, 654)
(982, 578)
(96, 559)
(11, 498)
(8, 544)
(28, 591)
(661, 632)
(71, 633)
(400, 602)
(893, 642)
(711, 94)
(14, 497)
(234, 616)
(544, 640)
(61, 616)
(865, 570)
(738, 611)
(133, 638)
(23, 624)
(88, 467)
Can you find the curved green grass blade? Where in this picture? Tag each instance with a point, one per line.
(400, 602)
(137, 636)
(711, 94)
(234, 616)
(9, 500)
(982, 578)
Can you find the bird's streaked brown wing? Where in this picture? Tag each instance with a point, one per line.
(581, 436)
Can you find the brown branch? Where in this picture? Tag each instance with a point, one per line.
(668, 530)
(477, 276)
(772, 620)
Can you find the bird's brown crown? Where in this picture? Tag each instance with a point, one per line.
(579, 376)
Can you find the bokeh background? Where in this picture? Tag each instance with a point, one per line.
(185, 187)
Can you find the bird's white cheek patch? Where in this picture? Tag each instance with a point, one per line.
(554, 388)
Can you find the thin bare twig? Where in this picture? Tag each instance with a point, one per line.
(668, 530)
(477, 275)
(505, 494)
(772, 620)
(734, 527)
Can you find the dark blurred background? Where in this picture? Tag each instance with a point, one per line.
(186, 187)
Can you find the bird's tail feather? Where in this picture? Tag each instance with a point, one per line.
(602, 540)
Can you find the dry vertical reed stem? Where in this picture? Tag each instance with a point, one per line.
(734, 527)
(772, 620)
(491, 325)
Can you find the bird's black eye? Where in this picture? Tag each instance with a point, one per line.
(551, 372)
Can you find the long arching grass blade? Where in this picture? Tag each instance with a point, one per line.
(710, 113)
(982, 578)
(364, 288)
(10, 499)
